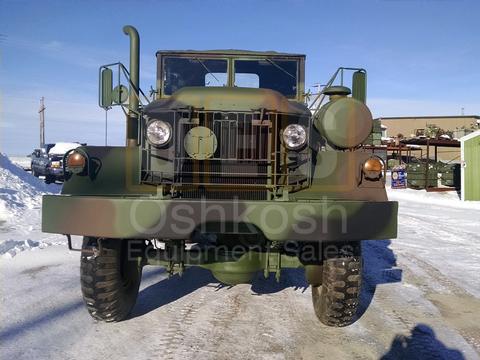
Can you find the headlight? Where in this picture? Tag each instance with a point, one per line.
(159, 132)
(294, 136)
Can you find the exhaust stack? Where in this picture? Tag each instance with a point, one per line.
(132, 119)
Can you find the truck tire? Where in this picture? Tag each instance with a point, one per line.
(109, 280)
(49, 179)
(336, 301)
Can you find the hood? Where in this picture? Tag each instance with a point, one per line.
(227, 99)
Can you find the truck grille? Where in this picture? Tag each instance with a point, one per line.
(240, 136)
(246, 164)
(242, 155)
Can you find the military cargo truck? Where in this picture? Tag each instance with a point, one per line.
(227, 168)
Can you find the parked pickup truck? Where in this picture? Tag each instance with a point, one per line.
(48, 161)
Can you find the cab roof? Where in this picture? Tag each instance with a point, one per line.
(229, 52)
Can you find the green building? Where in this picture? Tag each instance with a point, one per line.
(470, 153)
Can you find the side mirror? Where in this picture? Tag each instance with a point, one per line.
(120, 94)
(106, 87)
(359, 86)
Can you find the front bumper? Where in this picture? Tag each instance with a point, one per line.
(151, 217)
(55, 172)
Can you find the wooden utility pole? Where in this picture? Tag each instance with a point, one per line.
(42, 121)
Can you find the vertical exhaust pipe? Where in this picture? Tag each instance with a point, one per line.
(132, 119)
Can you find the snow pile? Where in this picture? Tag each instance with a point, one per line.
(20, 208)
(19, 190)
(21, 161)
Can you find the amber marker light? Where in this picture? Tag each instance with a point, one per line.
(373, 164)
(372, 168)
(76, 162)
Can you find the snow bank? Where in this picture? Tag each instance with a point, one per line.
(20, 207)
(19, 190)
(22, 161)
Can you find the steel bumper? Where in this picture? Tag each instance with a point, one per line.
(57, 172)
(151, 217)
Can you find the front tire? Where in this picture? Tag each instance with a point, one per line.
(49, 179)
(336, 301)
(109, 279)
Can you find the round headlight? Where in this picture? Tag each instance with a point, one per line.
(159, 132)
(294, 136)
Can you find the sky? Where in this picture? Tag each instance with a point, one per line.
(422, 57)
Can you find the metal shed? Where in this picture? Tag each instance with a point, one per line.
(470, 152)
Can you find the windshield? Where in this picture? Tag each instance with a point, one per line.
(279, 75)
(181, 72)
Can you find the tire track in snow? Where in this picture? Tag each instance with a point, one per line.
(171, 343)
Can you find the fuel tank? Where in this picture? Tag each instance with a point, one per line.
(344, 121)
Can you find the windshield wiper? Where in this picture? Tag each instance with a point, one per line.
(208, 70)
(281, 68)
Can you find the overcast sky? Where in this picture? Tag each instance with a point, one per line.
(422, 57)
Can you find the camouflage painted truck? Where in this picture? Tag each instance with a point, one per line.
(226, 168)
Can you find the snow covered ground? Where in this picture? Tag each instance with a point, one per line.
(20, 205)
(421, 299)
